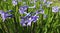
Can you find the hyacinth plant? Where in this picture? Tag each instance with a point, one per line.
(29, 16)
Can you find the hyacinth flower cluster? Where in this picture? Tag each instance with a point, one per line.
(33, 17)
(29, 17)
(5, 15)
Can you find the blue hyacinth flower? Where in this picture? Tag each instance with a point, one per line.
(23, 9)
(5, 15)
(26, 22)
(22, 22)
(34, 18)
(29, 18)
(55, 9)
(29, 21)
(14, 2)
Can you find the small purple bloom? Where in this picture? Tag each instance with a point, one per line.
(29, 22)
(26, 22)
(44, 1)
(34, 18)
(37, 12)
(23, 9)
(22, 22)
(14, 2)
(5, 15)
(55, 9)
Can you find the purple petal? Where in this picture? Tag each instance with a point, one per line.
(4, 15)
(29, 24)
(23, 9)
(44, 1)
(14, 2)
(26, 21)
(35, 18)
(55, 9)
